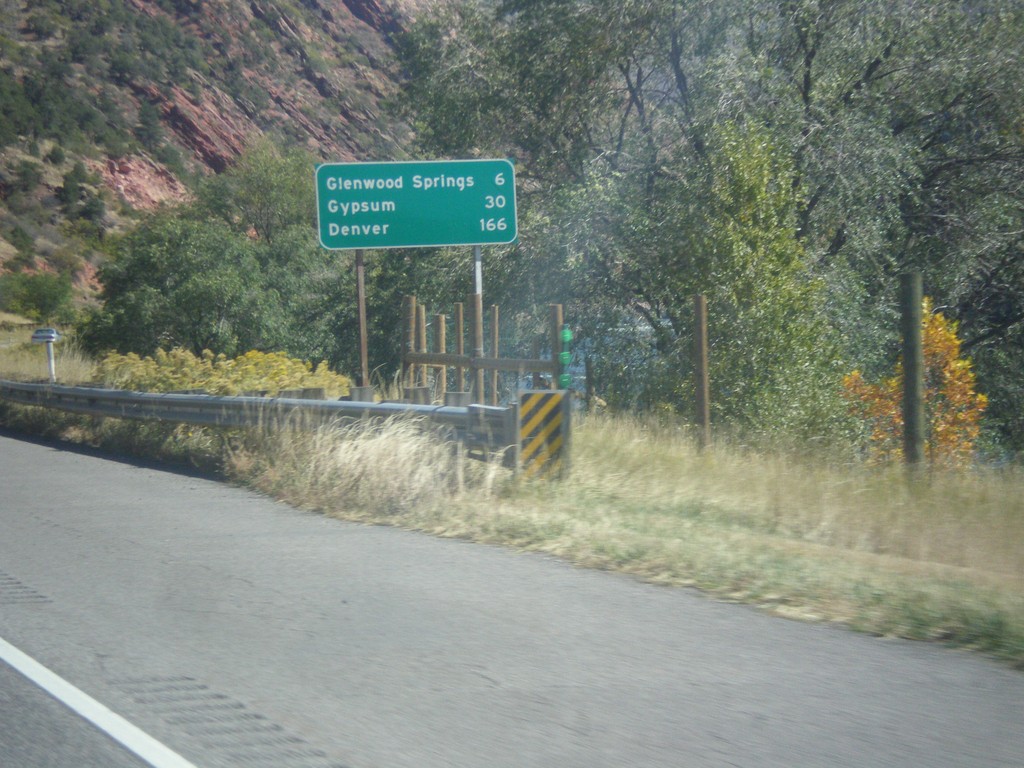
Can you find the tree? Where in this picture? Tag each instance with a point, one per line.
(774, 356)
(229, 275)
(70, 192)
(17, 113)
(27, 176)
(898, 124)
(22, 241)
(265, 192)
(181, 283)
(953, 405)
(149, 129)
(56, 155)
(41, 296)
(648, 205)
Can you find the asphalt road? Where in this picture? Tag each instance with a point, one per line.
(240, 632)
(37, 731)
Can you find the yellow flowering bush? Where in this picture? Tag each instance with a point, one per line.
(179, 369)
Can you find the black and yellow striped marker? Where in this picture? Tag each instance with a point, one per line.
(543, 433)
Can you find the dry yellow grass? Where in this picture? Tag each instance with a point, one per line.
(968, 520)
(366, 470)
(6, 318)
(21, 360)
(940, 558)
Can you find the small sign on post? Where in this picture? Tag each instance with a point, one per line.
(47, 336)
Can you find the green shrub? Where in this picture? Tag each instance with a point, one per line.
(41, 296)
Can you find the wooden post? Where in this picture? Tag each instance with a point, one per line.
(421, 340)
(460, 347)
(588, 372)
(409, 332)
(440, 347)
(913, 369)
(364, 364)
(556, 342)
(538, 382)
(700, 368)
(494, 353)
(477, 302)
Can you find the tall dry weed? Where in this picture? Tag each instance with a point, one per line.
(369, 469)
(965, 519)
(20, 360)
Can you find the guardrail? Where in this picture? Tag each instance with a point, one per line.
(484, 430)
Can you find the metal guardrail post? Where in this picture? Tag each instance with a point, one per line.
(513, 453)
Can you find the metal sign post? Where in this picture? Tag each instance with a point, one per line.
(47, 336)
(364, 361)
(414, 205)
(478, 270)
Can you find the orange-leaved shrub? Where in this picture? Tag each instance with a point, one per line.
(953, 407)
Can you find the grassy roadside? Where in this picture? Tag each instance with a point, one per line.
(6, 318)
(940, 558)
(21, 360)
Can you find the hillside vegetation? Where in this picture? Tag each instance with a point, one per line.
(787, 161)
(110, 109)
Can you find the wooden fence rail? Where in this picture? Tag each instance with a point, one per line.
(417, 360)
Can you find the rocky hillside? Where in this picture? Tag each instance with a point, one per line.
(112, 106)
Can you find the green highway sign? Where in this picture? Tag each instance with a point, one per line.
(416, 204)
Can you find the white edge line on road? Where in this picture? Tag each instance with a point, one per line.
(115, 726)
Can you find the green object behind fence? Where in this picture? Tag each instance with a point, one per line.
(565, 358)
